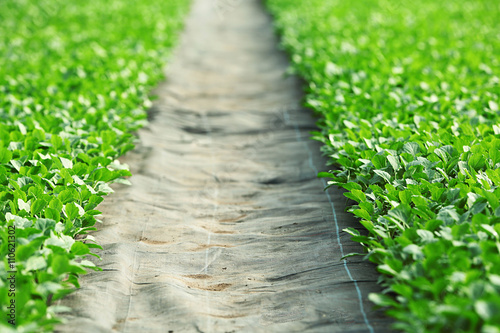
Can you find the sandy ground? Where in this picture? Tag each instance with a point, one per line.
(226, 227)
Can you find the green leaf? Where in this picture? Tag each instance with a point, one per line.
(411, 148)
(356, 195)
(426, 236)
(5, 155)
(400, 213)
(351, 231)
(88, 264)
(56, 204)
(405, 196)
(352, 255)
(35, 263)
(56, 142)
(102, 174)
(103, 188)
(478, 207)
(489, 230)
(61, 241)
(492, 198)
(72, 211)
(494, 154)
(476, 161)
(79, 249)
(415, 251)
(379, 161)
(486, 310)
(386, 269)
(403, 289)
(23, 205)
(394, 162)
(326, 175)
(18, 222)
(386, 176)
(362, 213)
(66, 163)
(45, 225)
(16, 165)
(37, 206)
(60, 264)
(352, 186)
(52, 214)
(382, 300)
(67, 196)
(448, 215)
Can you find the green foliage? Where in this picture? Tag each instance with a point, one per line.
(74, 83)
(408, 94)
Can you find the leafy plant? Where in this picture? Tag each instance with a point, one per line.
(408, 101)
(75, 78)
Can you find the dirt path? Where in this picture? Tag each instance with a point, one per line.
(226, 227)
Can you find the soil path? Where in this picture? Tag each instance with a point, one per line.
(226, 227)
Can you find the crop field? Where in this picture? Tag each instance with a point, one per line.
(408, 96)
(407, 99)
(74, 84)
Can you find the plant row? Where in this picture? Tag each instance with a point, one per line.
(408, 96)
(74, 83)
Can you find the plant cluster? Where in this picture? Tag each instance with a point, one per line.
(408, 96)
(74, 83)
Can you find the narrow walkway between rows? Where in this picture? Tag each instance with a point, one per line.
(226, 227)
